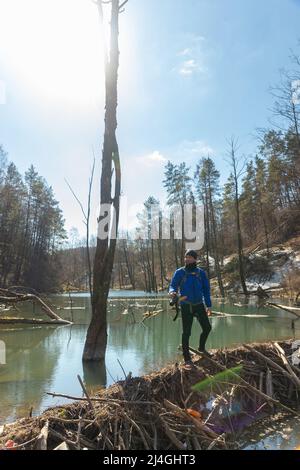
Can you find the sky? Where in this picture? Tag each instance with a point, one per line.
(192, 74)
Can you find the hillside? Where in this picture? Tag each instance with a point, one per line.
(276, 270)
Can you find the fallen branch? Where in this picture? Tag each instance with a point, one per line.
(287, 364)
(167, 394)
(135, 425)
(282, 307)
(196, 422)
(85, 392)
(32, 321)
(12, 297)
(171, 435)
(292, 376)
(263, 395)
(108, 400)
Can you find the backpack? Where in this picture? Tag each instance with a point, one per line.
(197, 274)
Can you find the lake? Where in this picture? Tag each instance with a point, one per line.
(42, 359)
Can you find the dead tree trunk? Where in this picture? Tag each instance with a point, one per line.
(206, 233)
(129, 265)
(149, 270)
(216, 247)
(161, 263)
(144, 268)
(154, 283)
(96, 339)
(236, 174)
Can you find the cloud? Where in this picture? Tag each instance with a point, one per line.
(189, 67)
(152, 159)
(193, 58)
(198, 38)
(185, 150)
(189, 149)
(186, 51)
(198, 146)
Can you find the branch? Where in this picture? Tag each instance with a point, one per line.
(81, 206)
(85, 392)
(103, 400)
(8, 296)
(122, 5)
(87, 222)
(282, 307)
(248, 385)
(105, 49)
(88, 229)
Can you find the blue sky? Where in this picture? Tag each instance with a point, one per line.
(192, 74)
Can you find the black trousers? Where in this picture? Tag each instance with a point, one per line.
(188, 312)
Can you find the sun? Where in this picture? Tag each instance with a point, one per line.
(53, 50)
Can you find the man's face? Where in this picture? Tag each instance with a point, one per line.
(189, 259)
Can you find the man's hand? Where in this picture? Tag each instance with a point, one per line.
(208, 311)
(172, 294)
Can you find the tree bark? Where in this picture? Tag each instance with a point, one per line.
(96, 339)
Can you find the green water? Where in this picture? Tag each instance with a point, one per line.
(42, 359)
(275, 435)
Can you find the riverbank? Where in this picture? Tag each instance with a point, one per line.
(207, 407)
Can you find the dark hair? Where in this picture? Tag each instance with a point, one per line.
(191, 253)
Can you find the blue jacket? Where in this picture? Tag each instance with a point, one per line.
(192, 284)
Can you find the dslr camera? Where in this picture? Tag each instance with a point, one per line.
(173, 300)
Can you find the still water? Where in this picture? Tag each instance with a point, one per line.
(275, 434)
(41, 359)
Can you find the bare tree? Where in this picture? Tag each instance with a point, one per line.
(237, 171)
(86, 221)
(207, 184)
(96, 339)
(129, 264)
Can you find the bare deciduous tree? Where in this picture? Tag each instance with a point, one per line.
(96, 339)
(237, 172)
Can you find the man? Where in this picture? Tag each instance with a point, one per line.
(193, 285)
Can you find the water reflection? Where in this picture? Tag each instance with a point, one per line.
(279, 434)
(31, 357)
(94, 375)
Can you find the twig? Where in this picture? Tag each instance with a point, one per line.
(287, 365)
(71, 421)
(196, 422)
(178, 444)
(290, 376)
(107, 400)
(25, 443)
(138, 429)
(122, 369)
(123, 4)
(85, 392)
(72, 444)
(266, 397)
(218, 439)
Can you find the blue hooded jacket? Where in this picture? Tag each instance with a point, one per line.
(195, 286)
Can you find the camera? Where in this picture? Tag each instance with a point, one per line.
(173, 300)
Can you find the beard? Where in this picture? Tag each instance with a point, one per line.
(191, 266)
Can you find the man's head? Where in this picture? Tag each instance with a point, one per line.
(190, 257)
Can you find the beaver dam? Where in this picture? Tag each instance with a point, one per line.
(207, 407)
